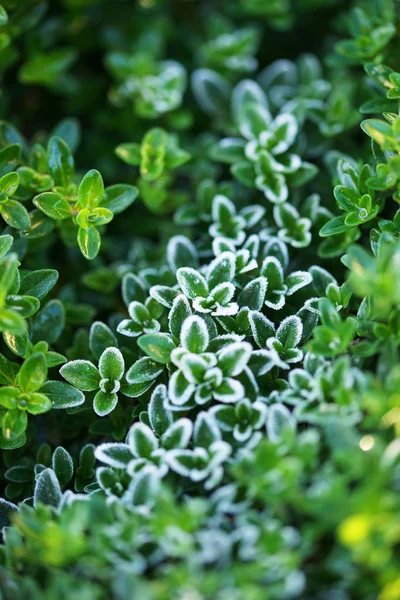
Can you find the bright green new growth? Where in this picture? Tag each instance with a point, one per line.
(199, 398)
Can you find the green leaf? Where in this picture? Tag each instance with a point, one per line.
(223, 293)
(9, 158)
(247, 93)
(329, 314)
(346, 197)
(47, 68)
(12, 443)
(38, 404)
(6, 241)
(18, 343)
(10, 135)
(221, 269)
(8, 371)
(101, 216)
(54, 359)
(62, 395)
(40, 226)
(118, 198)
(179, 389)
(100, 338)
(24, 305)
(378, 130)
(38, 283)
(9, 396)
(212, 91)
(15, 214)
(19, 474)
(129, 153)
(53, 205)
(89, 242)
(33, 373)
(95, 217)
(164, 295)
(175, 157)
(133, 289)
(3, 16)
(9, 183)
(70, 131)
(48, 323)
(91, 189)
(134, 390)
(60, 161)
(14, 424)
(334, 227)
(231, 151)
(153, 154)
(157, 346)
(8, 273)
(12, 322)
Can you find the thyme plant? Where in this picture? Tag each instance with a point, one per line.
(200, 300)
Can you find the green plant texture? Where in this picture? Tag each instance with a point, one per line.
(200, 300)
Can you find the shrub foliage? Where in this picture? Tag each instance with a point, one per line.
(199, 398)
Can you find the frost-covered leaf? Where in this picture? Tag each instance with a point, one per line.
(290, 331)
(180, 310)
(115, 455)
(111, 364)
(181, 253)
(233, 358)
(177, 435)
(192, 283)
(206, 430)
(194, 335)
(261, 328)
(100, 338)
(253, 294)
(82, 374)
(62, 465)
(141, 440)
(104, 403)
(143, 370)
(47, 489)
(144, 487)
(157, 346)
(221, 269)
(279, 420)
(160, 416)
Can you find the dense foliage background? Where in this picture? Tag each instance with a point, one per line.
(200, 299)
